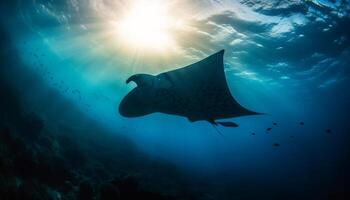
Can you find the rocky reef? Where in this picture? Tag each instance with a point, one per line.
(36, 163)
(54, 151)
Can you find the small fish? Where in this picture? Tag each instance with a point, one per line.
(268, 129)
(329, 131)
(275, 124)
(253, 133)
(276, 145)
(302, 123)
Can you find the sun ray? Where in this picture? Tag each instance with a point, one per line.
(147, 25)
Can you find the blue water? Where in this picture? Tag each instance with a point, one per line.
(291, 64)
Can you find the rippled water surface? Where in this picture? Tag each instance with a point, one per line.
(287, 59)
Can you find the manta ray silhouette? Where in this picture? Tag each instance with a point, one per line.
(197, 92)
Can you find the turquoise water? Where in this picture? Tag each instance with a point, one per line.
(289, 60)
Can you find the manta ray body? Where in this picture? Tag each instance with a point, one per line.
(198, 92)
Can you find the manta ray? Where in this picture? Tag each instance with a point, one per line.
(198, 92)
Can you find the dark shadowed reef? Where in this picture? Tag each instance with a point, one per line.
(61, 81)
(43, 157)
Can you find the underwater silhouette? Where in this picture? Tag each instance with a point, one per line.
(197, 92)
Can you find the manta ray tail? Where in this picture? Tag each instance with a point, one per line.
(217, 130)
(228, 124)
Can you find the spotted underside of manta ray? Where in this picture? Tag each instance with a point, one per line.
(198, 92)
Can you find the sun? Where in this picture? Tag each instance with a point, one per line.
(147, 25)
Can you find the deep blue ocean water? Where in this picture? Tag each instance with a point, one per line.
(287, 59)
